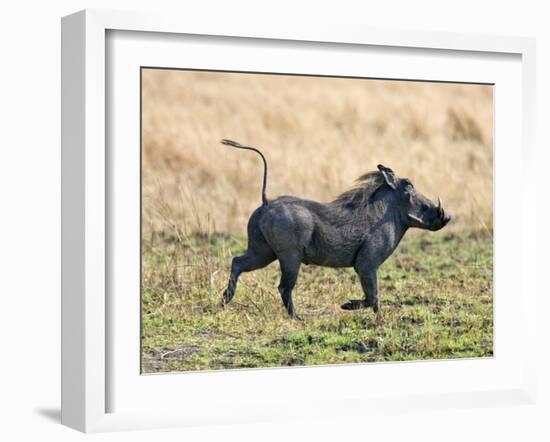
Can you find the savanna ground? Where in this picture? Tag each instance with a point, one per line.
(318, 134)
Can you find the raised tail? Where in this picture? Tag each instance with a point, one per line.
(240, 146)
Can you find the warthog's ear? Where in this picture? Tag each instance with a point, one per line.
(388, 175)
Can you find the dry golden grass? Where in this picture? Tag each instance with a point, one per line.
(318, 135)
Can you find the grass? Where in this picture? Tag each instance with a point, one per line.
(318, 135)
(435, 290)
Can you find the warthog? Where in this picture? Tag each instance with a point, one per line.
(360, 229)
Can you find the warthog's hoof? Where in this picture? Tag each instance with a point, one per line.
(295, 317)
(226, 299)
(356, 304)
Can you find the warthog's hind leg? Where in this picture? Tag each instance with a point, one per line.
(290, 266)
(246, 263)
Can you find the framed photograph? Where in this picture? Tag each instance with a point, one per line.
(292, 222)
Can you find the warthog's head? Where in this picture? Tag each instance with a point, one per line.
(416, 210)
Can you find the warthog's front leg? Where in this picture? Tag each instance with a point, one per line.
(369, 283)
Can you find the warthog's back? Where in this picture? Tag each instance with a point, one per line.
(319, 233)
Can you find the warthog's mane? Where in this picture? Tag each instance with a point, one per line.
(358, 196)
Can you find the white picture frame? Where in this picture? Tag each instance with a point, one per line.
(87, 319)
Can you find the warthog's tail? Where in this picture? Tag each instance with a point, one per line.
(240, 146)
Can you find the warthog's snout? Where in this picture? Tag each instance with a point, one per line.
(423, 213)
(444, 217)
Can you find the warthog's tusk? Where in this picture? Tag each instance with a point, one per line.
(415, 218)
(440, 211)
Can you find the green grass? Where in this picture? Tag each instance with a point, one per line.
(436, 294)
